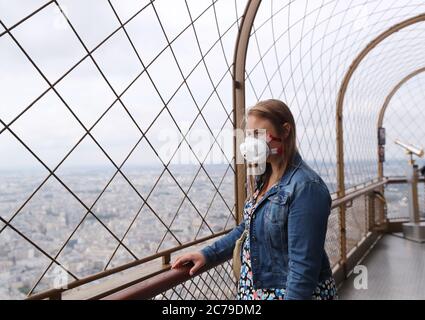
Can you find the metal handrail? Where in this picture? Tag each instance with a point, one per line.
(167, 275)
(400, 180)
(159, 283)
(163, 275)
(358, 193)
(170, 278)
(165, 255)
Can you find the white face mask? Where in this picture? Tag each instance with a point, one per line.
(254, 150)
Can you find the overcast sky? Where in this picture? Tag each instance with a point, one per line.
(305, 68)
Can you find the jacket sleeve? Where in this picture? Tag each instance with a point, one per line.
(307, 225)
(222, 249)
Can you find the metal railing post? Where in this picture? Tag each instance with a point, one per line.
(371, 211)
(239, 63)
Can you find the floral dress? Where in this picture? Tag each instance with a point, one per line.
(325, 290)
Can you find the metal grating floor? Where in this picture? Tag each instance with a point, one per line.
(396, 270)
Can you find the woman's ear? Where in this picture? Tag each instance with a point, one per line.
(286, 130)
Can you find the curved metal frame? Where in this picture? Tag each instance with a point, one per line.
(339, 116)
(386, 104)
(239, 63)
(344, 86)
(169, 278)
(238, 90)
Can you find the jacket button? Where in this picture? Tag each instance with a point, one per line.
(254, 238)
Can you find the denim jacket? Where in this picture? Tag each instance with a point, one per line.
(287, 234)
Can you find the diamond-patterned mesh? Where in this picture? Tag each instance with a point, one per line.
(397, 199)
(88, 98)
(300, 52)
(215, 284)
(404, 118)
(97, 90)
(332, 245)
(356, 222)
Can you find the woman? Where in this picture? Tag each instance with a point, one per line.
(283, 256)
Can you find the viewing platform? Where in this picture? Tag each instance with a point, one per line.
(120, 127)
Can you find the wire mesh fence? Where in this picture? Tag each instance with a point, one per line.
(397, 197)
(356, 222)
(215, 284)
(87, 110)
(116, 121)
(403, 119)
(301, 50)
(333, 238)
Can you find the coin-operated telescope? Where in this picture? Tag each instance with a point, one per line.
(411, 149)
(415, 229)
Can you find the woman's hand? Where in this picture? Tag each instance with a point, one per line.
(197, 258)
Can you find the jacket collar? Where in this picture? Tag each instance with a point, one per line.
(293, 167)
(286, 178)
